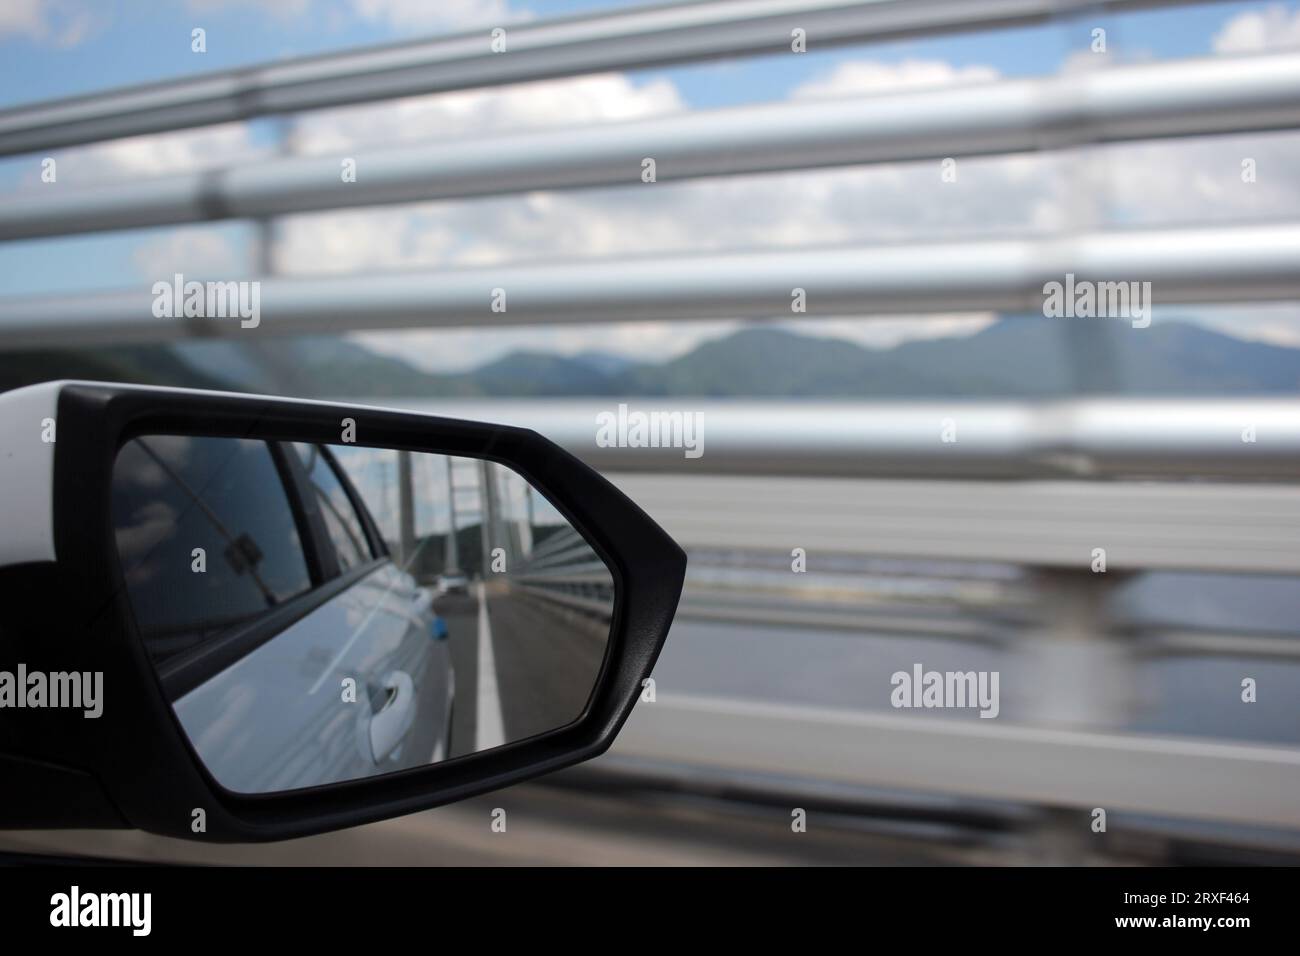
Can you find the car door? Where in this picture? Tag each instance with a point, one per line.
(297, 655)
(395, 650)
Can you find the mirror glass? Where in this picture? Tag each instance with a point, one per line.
(320, 613)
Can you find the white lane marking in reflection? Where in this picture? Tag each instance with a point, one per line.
(490, 729)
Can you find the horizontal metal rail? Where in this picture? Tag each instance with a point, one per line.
(1188, 526)
(1084, 438)
(624, 40)
(811, 616)
(1164, 642)
(1231, 264)
(1164, 776)
(878, 478)
(805, 612)
(1182, 98)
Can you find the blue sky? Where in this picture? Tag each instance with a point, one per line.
(56, 48)
(141, 41)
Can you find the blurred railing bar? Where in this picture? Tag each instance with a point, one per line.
(1091, 438)
(1178, 525)
(1164, 776)
(802, 616)
(1183, 98)
(698, 604)
(1164, 642)
(624, 40)
(1250, 263)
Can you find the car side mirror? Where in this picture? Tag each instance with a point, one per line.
(242, 618)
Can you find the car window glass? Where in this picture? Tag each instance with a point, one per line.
(341, 519)
(373, 473)
(206, 536)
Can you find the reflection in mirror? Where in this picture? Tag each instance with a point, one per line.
(323, 613)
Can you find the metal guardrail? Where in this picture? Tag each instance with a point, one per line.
(1234, 264)
(563, 570)
(1101, 438)
(1171, 524)
(1050, 526)
(629, 39)
(1193, 526)
(1182, 98)
(1163, 776)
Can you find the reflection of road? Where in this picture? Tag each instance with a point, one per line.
(544, 662)
(425, 738)
(547, 659)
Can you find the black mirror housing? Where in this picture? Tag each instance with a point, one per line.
(66, 610)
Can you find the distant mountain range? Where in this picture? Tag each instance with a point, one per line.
(1014, 357)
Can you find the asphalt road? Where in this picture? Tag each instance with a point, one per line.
(460, 613)
(544, 664)
(547, 660)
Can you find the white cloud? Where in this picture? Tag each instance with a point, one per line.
(455, 350)
(1193, 181)
(1085, 61)
(280, 8)
(1275, 323)
(198, 252)
(800, 208)
(203, 148)
(143, 157)
(867, 76)
(598, 98)
(23, 17)
(59, 23)
(66, 23)
(362, 241)
(1272, 28)
(437, 14)
(886, 331)
(402, 15)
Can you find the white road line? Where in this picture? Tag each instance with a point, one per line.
(490, 729)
